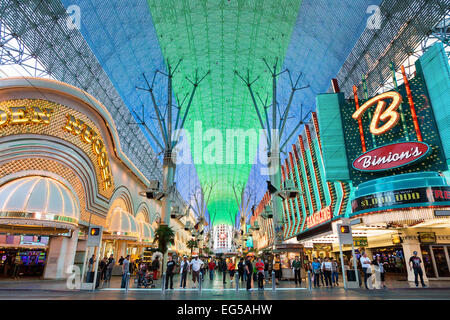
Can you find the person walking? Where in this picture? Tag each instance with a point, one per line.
(260, 270)
(326, 270)
(334, 272)
(184, 268)
(109, 267)
(155, 267)
(415, 263)
(196, 265)
(266, 270)
(380, 264)
(102, 268)
(248, 272)
(365, 264)
(125, 271)
(296, 266)
(241, 269)
(223, 268)
(169, 272)
(211, 267)
(315, 266)
(231, 269)
(277, 268)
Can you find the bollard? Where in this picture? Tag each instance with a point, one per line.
(309, 280)
(127, 282)
(273, 281)
(200, 280)
(237, 284)
(163, 285)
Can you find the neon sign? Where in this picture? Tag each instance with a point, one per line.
(318, 217)
(390, 115)
(391, 156)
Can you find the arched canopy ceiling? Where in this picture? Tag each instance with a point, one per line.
(312, 36)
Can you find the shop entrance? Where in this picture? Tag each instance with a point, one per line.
(437, 261)
(22, 255)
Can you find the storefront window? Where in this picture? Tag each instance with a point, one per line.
(427, 261)
(394, 257)
(441, 261)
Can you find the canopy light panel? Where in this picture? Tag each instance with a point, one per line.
(223, 36)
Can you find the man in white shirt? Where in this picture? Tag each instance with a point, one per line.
(196, 265)
(326, 270)
(365, 264)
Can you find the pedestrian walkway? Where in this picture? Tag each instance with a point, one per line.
(207, 285)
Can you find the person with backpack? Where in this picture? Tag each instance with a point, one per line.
(315, 266)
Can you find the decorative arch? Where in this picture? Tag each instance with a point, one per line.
(121, 198)
(144, 212)
(50, 156)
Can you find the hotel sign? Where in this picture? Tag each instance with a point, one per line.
(78, 128)
(391, 156)
(24, 115)
(37, 116)
(391, 133)
(319, 217)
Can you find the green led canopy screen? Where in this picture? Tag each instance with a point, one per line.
(223, 36)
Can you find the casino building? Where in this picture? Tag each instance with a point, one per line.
(62, 170)
(391, 179)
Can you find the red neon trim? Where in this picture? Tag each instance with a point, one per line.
(411, 105)
(361, 131)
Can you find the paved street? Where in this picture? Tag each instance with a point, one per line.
(216, 290)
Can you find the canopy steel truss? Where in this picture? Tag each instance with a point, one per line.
(41, 27)
(404, 24)
(14, 53)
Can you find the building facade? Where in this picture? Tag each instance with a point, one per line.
(62, 170)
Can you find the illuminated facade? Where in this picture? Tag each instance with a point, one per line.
(62, 170)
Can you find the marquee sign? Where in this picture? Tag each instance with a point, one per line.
(391, 156)
(426, 195)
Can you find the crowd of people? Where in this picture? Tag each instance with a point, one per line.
(324, 272)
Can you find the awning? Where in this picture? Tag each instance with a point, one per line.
(146, 233)
(121, 225)
(37, 201)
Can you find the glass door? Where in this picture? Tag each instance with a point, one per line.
(428, 261)
(440, 257)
